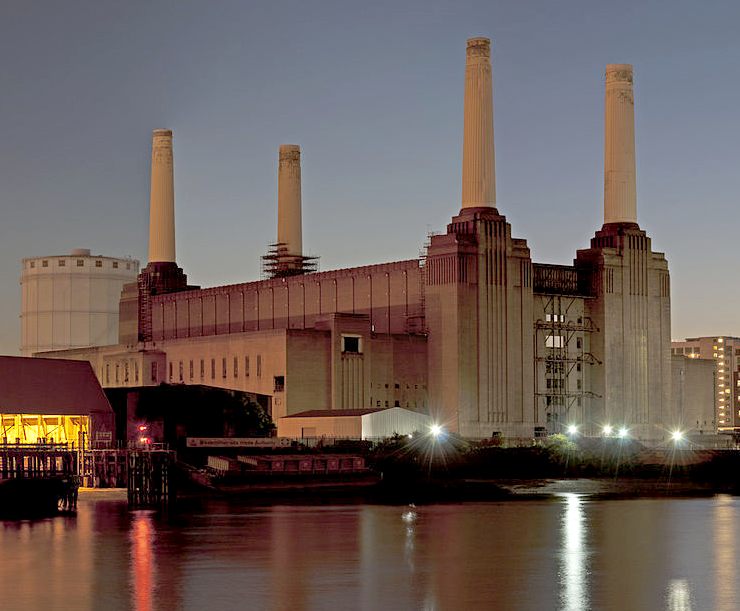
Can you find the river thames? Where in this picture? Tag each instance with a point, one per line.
(568, 552)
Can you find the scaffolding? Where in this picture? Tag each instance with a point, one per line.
(561, 359)
(279, 263)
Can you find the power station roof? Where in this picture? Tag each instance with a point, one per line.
(49, 386)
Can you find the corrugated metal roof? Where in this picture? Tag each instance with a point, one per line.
(334, 413)
(49, 386)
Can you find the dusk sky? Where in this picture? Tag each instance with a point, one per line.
(373, 93)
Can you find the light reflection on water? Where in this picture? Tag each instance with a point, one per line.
(573, 592)
(571, 552)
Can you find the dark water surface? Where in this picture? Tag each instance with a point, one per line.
(569, 552)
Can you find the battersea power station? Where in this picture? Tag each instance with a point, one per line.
(473, 333)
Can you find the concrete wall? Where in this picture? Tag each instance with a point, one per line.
(71, 301)
(321, 426)
(693, 392)
(631, 310)
(480, 322)
(389, 294)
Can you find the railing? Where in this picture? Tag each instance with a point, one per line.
(37, 461)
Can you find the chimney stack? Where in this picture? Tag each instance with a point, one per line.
(162, 200)
(620, 198)
(289, 200)
(479, 174)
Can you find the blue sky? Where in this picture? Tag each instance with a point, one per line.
(373, 93)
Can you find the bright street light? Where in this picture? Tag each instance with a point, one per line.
(608, 430)
(572, 429)
(677, 436)
(623, 432)
(436, 430)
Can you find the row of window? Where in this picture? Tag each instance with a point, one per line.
(396, 403)
(559, 401)
(122, 372)
(553, 384)
(213, 369)
(79, 263)
(397, 386)
(558, 341)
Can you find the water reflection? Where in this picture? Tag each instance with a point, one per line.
(572, 554)
(679, 595)
(142, 566)
(573, 570)
(724, 554)
(409, 518)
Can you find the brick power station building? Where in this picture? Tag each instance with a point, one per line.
(474, 333)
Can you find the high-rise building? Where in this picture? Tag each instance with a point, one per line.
(724, 350)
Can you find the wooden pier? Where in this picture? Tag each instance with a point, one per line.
(150, 478)
(38, 480)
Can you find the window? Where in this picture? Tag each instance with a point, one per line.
(180, 371)
(128, 266)
(136, 371)
(33, 264)
(125, 371)
(191, 369)
(223, 367)
(107, 374)
(579, 343)
(98, 264)
(170, 367)
(554, 367)
(279, 383)
(62, 263)
(259, 365)
(115, 264)
(554, 317)
(44, 263)
(397, 385)
(236, 367)
(554, 341)
(117, 377)
(154, 372)
(578, 384)
(80, 263)
(202, 369)
(377, 404)
(213, 369)
(351, 344)
(246, 366)
(396, 403)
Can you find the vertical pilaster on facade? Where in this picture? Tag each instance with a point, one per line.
(162, 200)
(620, 198)
(478, 172)
(289, 199)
